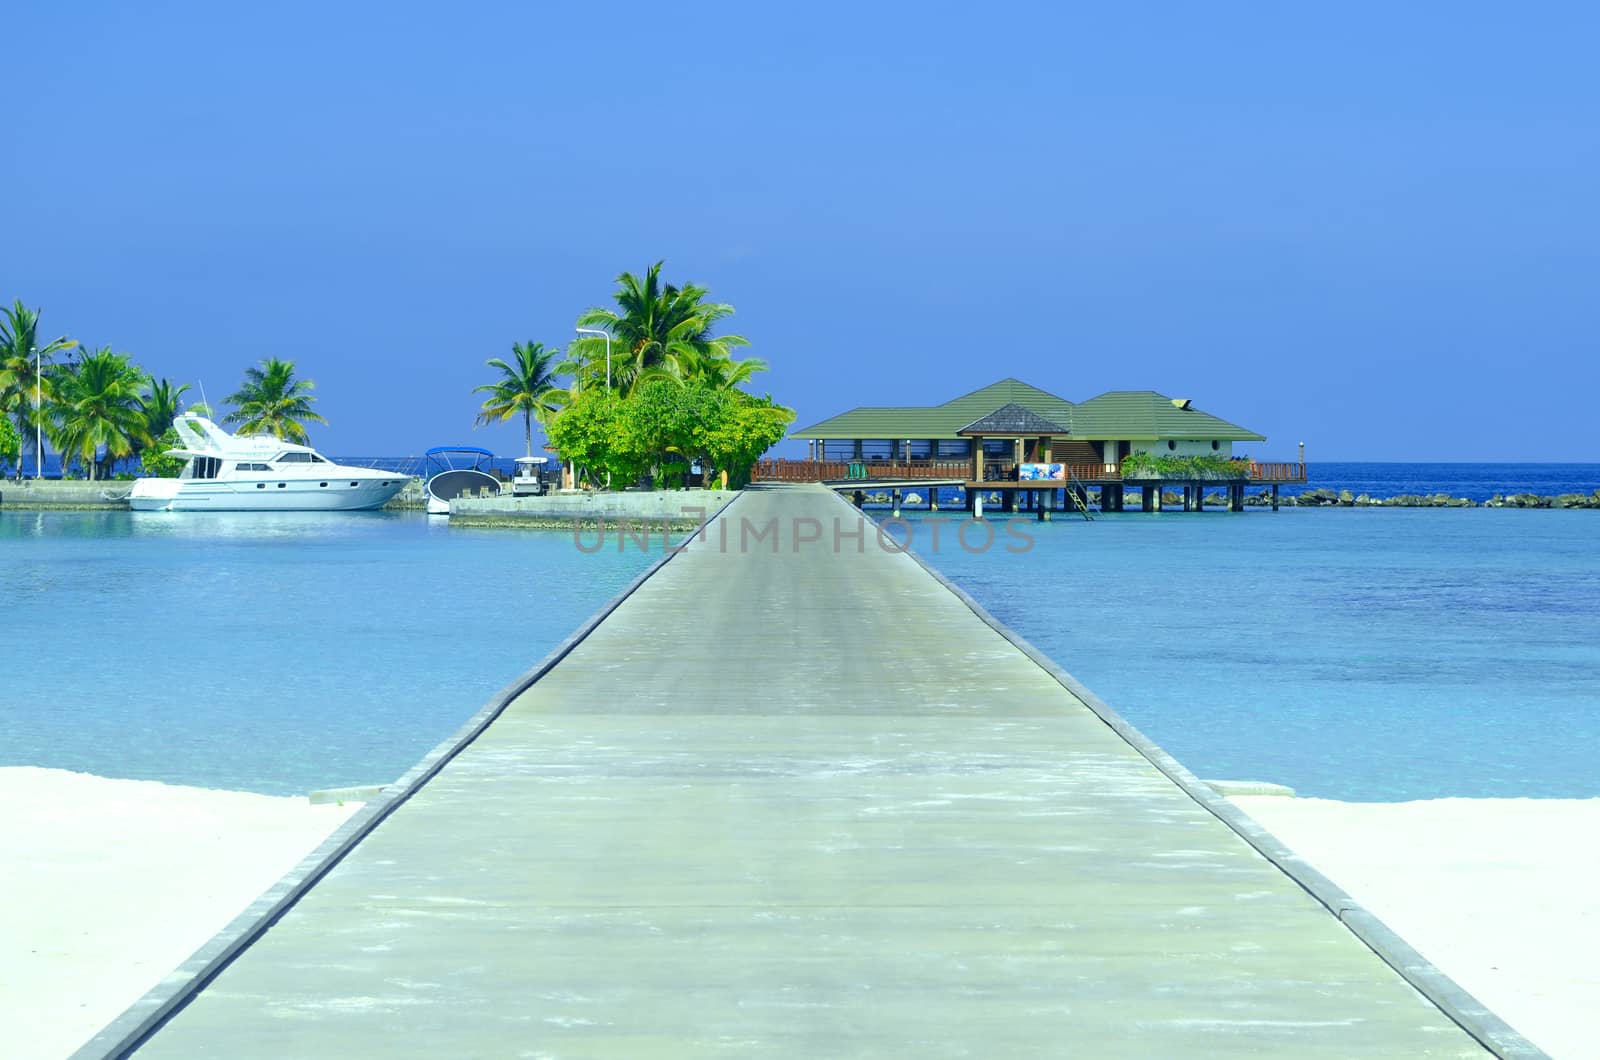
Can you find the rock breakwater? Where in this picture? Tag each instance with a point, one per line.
(1327, 498)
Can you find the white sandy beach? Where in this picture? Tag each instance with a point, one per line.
(109, 884)
(1503, 895)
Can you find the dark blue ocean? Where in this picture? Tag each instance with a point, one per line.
(1478, 482)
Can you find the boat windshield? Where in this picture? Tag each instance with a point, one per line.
(202, 467)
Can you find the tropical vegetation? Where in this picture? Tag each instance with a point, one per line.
(26, 382)
(272, 401)
(671, 402)
(674, 401)
(97, 409)
(657, 329)
(10, 442)
(1147, 465)
(527, 386)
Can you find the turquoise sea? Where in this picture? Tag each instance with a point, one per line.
(1361, 654)
(1366, 654)
(271, 652)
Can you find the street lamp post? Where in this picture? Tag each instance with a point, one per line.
(607, 334)
(38, 415)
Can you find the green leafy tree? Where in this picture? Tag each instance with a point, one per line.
(272, 401)
(656, 328)
(10, 443)
(527, 385)
(749, 428)
(155, 460)
(663, 424)
(589, 434)
(22, 356)
(97, 407)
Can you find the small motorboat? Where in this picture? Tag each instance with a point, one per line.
(451, 471)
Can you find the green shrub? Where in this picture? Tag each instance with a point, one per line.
(1146, 465)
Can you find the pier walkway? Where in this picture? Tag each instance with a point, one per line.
(803, 802)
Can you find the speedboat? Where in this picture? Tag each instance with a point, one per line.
(451, 471)
(247, 473)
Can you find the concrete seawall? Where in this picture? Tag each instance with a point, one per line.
(47, 494)
(678, 508)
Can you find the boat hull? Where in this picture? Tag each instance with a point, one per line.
(446, 486)
(275, 495)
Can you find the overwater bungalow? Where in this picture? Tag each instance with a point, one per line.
(1026, 445)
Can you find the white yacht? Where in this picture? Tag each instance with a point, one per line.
(247, 473)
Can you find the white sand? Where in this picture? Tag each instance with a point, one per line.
(108, 885)
(1502, 895)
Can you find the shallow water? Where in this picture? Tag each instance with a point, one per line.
(271, 652)
(1355, 654)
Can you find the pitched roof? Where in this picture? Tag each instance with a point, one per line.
(1119, 414)
(1130, 414)
(939, 421)
(1012, 419)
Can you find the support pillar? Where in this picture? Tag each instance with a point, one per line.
(858, 498)
(894, 507)
(1274, 496)
(977, 504)
(1148, 494)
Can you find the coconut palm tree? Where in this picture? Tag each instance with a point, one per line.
(527, 386)
(655, 327)
(97, 406)
(159, 405)
(272, 401)
(723, 373)
(22, 355)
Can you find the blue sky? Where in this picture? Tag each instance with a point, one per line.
(1369, 227)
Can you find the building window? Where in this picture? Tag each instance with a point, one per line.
(1172, 445)
(1215, 445)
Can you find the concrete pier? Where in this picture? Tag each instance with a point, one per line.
(794, 797)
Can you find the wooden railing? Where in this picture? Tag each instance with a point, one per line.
(994, 471)
(798, 470)
(1276, 472)
(836, 470)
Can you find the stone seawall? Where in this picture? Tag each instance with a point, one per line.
(50, 494)
(675, 508)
